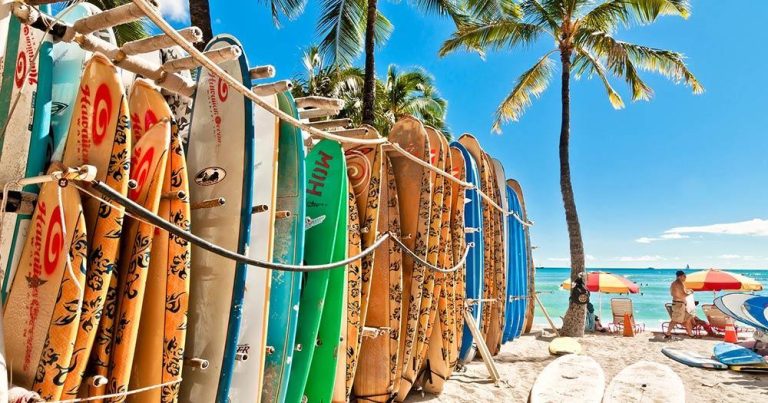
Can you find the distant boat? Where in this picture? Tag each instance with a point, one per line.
(687, 267)
(651, 268)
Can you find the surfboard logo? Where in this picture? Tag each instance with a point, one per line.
(25, 60)
(141, 126)
(311, 222)
(21, 69)
(223, 90)
(359, 169)
(144, 159)
(210, 176)
(319, 174)
(54, 241)
(102, 112)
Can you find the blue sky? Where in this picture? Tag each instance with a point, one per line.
(680, 180)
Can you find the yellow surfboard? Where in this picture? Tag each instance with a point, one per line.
(148, 170)
(43, 307)
(162, 328)
(100, 136)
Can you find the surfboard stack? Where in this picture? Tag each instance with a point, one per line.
(102, 302)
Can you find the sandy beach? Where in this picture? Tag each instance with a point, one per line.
(520, 362)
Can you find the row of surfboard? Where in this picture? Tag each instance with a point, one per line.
(92, 295)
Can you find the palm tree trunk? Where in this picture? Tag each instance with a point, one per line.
(369, 85)
(573, 322)
(200, 15)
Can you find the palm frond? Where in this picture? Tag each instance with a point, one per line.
(609, 15)
(494, 9)
(289, 8)
(537, 14)
(531, 83)
(451, 8)
(382, 29)
(589, 64)
(126, 32)
(341, 27)
(495, 34)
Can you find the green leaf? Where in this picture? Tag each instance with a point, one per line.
(530, 84)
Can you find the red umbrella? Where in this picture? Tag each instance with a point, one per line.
(598, 281)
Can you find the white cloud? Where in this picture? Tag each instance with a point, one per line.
(590, 258)
(754, 227)
(729, 256)
(645, 258)
(663, 237)
(176, 10)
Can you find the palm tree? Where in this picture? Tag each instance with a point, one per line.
(412, 93)
(351, 26)
(583, 31)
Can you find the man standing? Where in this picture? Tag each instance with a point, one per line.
(680, 314)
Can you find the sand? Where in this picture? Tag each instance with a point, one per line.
(521, 361)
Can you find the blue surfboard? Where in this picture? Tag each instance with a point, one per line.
(513, 271)
(757, 308)
(473, 222)
(734, 354)
(733, 306)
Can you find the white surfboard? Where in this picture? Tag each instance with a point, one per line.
(571, 378)
(645, 382)
(248, 375)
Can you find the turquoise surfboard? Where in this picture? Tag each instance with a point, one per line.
(473, 221)
(288, 249)
(517, 266)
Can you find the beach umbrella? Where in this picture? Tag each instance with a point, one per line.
(609, 283)
(719, 280)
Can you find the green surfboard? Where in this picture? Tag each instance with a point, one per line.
(325, 195)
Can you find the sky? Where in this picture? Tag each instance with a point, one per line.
(680, 180)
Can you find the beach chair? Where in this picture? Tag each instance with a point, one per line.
(718, 319)
(697, 330)
(620, 307)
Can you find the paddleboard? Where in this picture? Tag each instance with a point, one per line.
(25, 146)
(251, 341)
(528, 273)
(43, 306)
(364, 171)
(754, 369)
(414, 192)
(377, 370)
(498, 318)
(757, 309)
(101, 137)
(220, 161)
(733, 306)
(288, 248)
(427, 310)
(69, 62)
(645, 381)
(162, 329)
(458, 247)
(321, 308)
(564, 345)
(571, 378)
(473, 223)
(148, 170)
(733, 354)
(692, 359)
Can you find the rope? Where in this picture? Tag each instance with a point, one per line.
(424, 263)
(120, 394)
(153, 14)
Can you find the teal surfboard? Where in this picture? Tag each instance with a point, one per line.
(25, 148)
(68, 62)
(325, 183)
(289, 249)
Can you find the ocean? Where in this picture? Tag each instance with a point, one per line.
(648, 304)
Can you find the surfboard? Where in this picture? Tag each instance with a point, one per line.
(44, 301)
(436, 367)
(3, 366)
(645, 381)
(733, 306)
(733, 354)
(288, 248)
(528, 273)
(564, 345)
(692, 359)
(148, 170)
(473, 222)
(376, 376)
(325, 183)
(498, 318)
(364, 171)
(757, 309)
(69, 61)
(517, 268)
(100, 138)
(181, 106)
(251, 341)
(25, 148)
(414, 192)
(220, 159)
(754, 369)
(458, 246)
(162, 327)
(427, 306)
(573, 378)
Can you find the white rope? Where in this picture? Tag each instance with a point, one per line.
(119, 394)
(153, 14)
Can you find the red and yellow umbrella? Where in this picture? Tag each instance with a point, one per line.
(718, 280)
(598, 281)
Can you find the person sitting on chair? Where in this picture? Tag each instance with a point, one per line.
(680, 314)
(592, 324)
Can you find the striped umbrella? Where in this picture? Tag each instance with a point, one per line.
(718, 280)
(599, 281)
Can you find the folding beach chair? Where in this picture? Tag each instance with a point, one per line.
(697, 330)
(718, 319)
(620, 307)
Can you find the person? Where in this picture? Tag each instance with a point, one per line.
(680, 314)
(592, 323)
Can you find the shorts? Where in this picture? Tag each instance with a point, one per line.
(680, 313)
